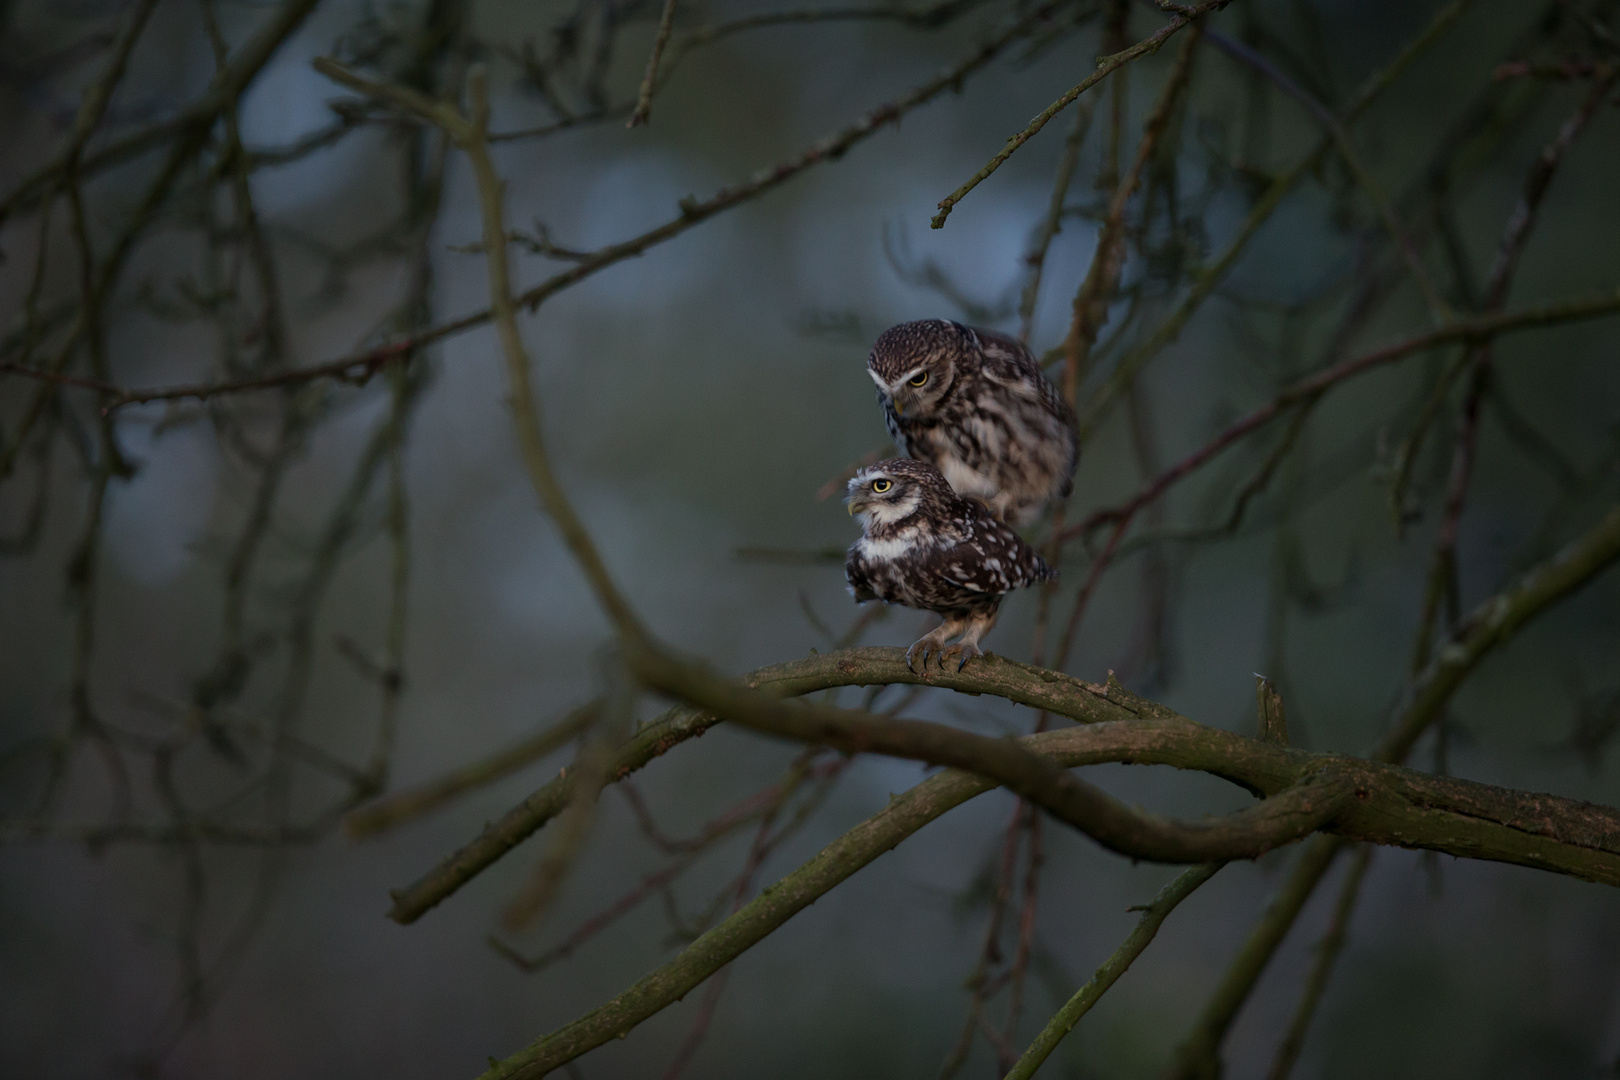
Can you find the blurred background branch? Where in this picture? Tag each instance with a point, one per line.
(1337, 316)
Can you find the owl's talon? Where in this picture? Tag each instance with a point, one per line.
(921, 650)
(911, 654)
(931, 644)
(965, 650)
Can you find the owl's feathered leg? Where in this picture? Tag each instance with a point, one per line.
(978, 625)
(933, 642)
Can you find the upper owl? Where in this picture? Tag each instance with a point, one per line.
(975, 405)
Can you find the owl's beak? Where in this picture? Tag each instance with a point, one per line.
(855, 506)
(899, 406)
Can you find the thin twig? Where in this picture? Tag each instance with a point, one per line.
(1328, 951)
(1053, 222)
(1101, 282)
(1345, 143)
(361, 367)
(649, 80)
(1211, 276)
(1482, 327)
(408, 805)
(1153, 916)
(1106, 66)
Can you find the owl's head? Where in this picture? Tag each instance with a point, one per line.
(894, 490)
(914, 364)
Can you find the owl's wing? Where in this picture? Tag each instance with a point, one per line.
(971, 565)
(1024, 564)
(999, 561)
(1009, 362)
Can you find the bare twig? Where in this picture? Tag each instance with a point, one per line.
(1485, 326)
(1102, 278)
(1211, 276)
(1153, 916)
(1053, 222)
(361, 367)
(1327, 954)
(1106, 66)
(226, 88)
(650, 80)
(1345, 144)
(408, 805)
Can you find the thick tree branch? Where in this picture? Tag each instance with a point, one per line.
(1488, 626)
(1309, 799)
(1391, 805)
(999, 677)
(413, 803)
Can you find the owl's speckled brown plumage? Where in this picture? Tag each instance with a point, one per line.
(975, 404)
(925, 546)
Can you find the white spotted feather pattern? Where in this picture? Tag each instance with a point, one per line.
(947, 554)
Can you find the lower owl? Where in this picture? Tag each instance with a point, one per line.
(925, 546)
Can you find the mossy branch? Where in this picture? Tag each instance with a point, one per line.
(1391, 805)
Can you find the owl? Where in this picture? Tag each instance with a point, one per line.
(974, 404)
(925, 546)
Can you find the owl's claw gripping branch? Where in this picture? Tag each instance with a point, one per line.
(961, 652)
(933, 644)
(979, 624)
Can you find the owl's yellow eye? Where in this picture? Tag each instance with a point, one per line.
(880, 486)
(918, 379)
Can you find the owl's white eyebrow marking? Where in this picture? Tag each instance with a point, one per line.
(881, 385)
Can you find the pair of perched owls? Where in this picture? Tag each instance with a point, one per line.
(988, 441)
